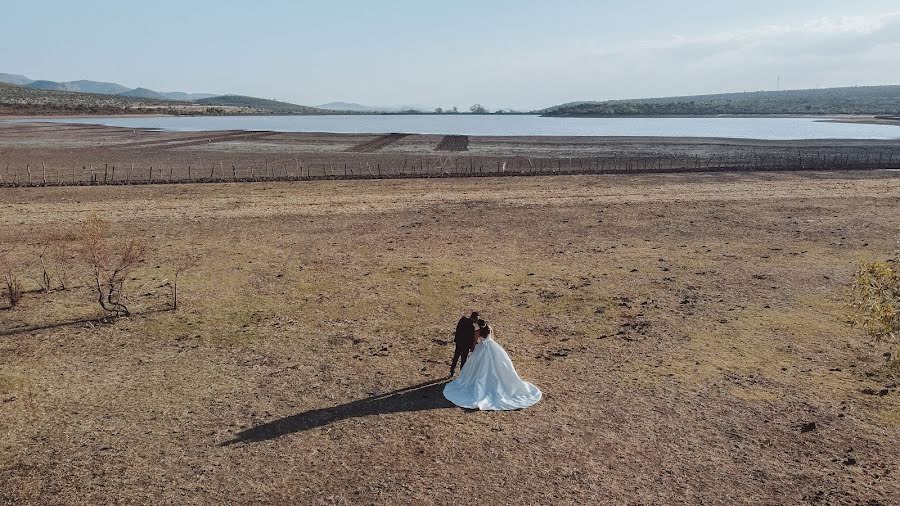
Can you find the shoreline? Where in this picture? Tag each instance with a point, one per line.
(531, 139)
(33, 121)
(881, 119)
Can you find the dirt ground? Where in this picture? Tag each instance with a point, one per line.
(686, 331)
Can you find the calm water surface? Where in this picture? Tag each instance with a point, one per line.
(525, 125)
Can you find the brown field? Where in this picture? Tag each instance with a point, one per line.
(685, 330)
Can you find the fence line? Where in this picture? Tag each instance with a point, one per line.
(443, 167)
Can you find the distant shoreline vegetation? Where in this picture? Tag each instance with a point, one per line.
(864, 100)
(880, 101)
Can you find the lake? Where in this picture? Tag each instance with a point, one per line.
(515, 125)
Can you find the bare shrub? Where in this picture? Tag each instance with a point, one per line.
(12, 286)
(51, 267)
(876, 299)
(58, 255)
(110, 261)
(43, 278)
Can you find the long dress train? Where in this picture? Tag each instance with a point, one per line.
(489, 381)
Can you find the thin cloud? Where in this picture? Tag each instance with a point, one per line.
(832, 51)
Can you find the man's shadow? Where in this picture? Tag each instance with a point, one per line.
(422, 397)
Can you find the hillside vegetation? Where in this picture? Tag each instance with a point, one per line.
(21, 100)
(82, 86)
(880, 100)
(260, 105)
(100, 87)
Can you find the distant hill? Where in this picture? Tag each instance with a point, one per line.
(164, 95)
(143, 93)
(852, 100)
(261, 105)
(354, 107)
(17, 100)
(21, 100)
(21, 95)
(14, 79)
(46, 85)
(346, 106)
(84, 86)
(79, 86)
(187, 97)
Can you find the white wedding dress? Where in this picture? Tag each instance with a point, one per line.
(489, 382)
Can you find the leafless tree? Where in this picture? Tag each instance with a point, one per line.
(183, 264)
(110, 262)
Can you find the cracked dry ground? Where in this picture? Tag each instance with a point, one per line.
(688, 332)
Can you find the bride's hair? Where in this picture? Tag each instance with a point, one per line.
(485, 328)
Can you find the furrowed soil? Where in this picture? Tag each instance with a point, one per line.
(687, 332)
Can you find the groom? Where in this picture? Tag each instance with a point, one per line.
(464, 339)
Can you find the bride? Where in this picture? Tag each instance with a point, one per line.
(489, 380)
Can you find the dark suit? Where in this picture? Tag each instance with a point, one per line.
(465, 341)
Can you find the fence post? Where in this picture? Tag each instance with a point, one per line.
(44, 172)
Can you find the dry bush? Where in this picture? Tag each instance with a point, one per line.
(110, 260)
(12, 286)
(43, 278)
(876, 299)
(53, 259)
(61, 256)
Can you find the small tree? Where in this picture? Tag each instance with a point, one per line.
(110, 263)
(876, 299)
(478, 109)
(439, 110)
(183, 264)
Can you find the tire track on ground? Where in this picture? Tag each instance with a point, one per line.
(376, 144)
(194, 140)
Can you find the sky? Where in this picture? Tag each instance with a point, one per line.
(520, 54)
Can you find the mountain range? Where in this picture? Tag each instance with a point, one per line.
(102, 88)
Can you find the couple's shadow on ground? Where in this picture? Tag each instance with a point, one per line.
(422, 397)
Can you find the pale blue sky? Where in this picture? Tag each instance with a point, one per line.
(524, 54)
